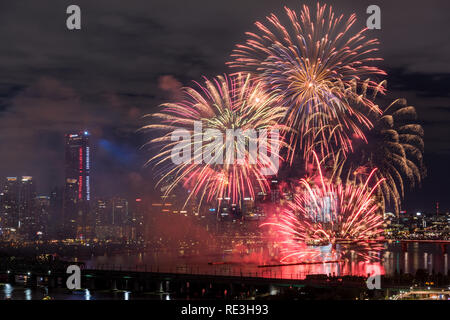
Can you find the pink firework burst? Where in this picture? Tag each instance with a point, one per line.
(324, 212)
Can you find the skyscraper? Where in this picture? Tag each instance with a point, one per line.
(102, 212)
(119, 211)
(27, 206)
(10, 203)
(138, 219)
(42, 217)
(56, 221)
(18, 206)
(77, 184)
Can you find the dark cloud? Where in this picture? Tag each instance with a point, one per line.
(427, 85)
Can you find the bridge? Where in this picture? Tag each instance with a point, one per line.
(423, 294)
(180, 285)
(194, 283)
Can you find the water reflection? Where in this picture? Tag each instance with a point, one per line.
(7, 290)
(28, 294)
(389, 258)
(349, 260)
(414, 256)
(446, 268)
(257, 262)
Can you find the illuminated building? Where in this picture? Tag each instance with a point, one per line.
(77, 184)
(117, 219)
(141, 219)
(274, 191)
(102, 211)
(137, 220)
(133, 226)
(56, 213)
(10, 203)
(28, 220)
(249, 209)
(226, 210)
(42, 216)
(119, 213)
(165, 206)
(18, 206)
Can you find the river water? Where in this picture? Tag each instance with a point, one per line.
(392, 258)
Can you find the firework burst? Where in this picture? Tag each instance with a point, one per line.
(222, 104)
(315, 63)
(395, 146)
(323, 212)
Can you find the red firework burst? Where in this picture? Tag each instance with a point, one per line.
(326, 212)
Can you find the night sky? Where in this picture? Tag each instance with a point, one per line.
(130, 56)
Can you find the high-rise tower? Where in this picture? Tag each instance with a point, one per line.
(77, 191)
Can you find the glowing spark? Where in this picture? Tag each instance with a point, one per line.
(221, 104)
(315, 65)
